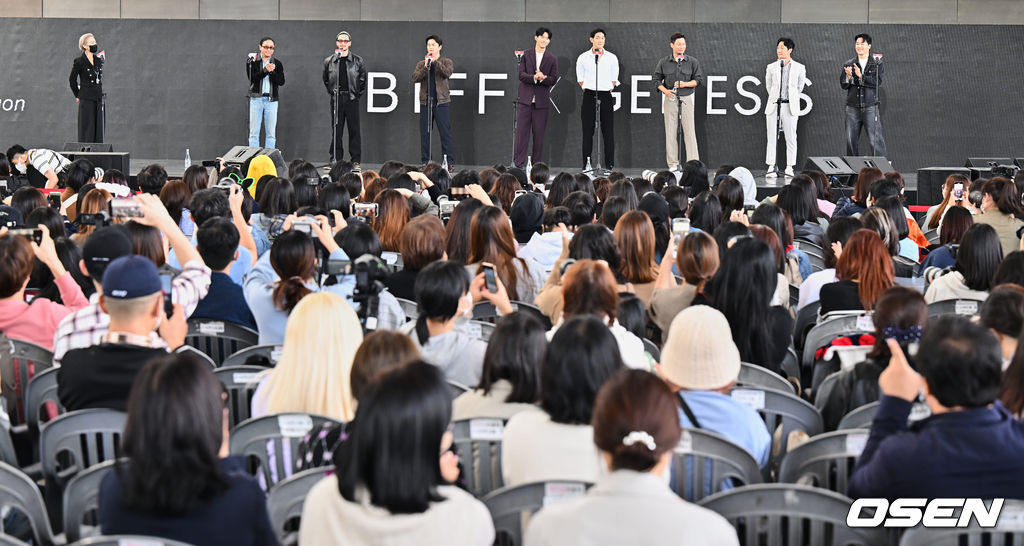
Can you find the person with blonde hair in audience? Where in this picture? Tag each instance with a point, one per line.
(313, 374)
(394, 472)
(509, 382)
(636, 431)
(558, 442)
(178, 481)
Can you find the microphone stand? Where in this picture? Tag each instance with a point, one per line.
(430, 114)
(334, 113)
(597, 171)
(778, 122)
(679, 118)
(515, 109)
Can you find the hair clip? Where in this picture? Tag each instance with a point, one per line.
(641, 437)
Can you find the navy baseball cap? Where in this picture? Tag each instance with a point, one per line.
(130, 277)
(103, 246)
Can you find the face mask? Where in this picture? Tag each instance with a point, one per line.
(22, 168)
(94, 48)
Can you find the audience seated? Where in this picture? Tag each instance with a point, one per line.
(969, 447)
(34, 322)
(1001, 206)
(1003, 313)
(697, 260)
(701, 363)
(837, 235)
(558, 442)
(864, 270)
(546, 247)
(937, 213)
(457, 231)
(590, 289)
(101, 375)
(178, 481)
(877, 220)
(421, 244)
(217, 244)
(635, 430)
(392, 216)
(656, 208)
(798, 200)
(509, 380)
(956, 221)
(976, 262)
(392, 486)
(901, 314)
(634, 235)
(357, 240)
(491, 240)
(742, 290)
(857, 203)
(445, 296)
(313, 373)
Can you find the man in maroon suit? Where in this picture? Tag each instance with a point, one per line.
(538, 71)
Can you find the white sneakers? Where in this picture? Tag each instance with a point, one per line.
(789, 172)
(771, 172)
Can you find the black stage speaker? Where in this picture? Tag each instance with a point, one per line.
(858, 162)
(104, 160)
(930, 181)
(828, 165)
(1020, 162)
(986, 162)
(242, 155)
(88, 147)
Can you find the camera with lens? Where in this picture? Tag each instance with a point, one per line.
(99, 219)
(1006, 171)
(370, 273)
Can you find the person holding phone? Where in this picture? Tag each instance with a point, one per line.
(86, 82)
(435, 98)
(266, 75)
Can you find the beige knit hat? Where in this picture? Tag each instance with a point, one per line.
(700, 353)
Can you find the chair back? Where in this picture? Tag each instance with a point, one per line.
(266, 356)
(511, 507)
(860, 417)
(965, 307)
(780, 409)
(455, 389)
(933, 236)
(198, 354)
(704, 462)
(825, 461)
(286, 499)
(270, 443)
(410, 308)
(478, 442)
(241, 383)
(652, 349)
(41, 398)
(19, 362)
(19, 492)
(1008, 531)
(806, 318)
(833, 328)
(787, 514)
(7, 453)
(88, 437)
(481, 330)
(758, 376)
(82, 496)
(487, 312)
(218, 338)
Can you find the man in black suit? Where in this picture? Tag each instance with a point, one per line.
(538, 71)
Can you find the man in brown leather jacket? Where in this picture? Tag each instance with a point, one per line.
(433, 73)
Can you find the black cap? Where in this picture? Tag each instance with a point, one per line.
(103, 246)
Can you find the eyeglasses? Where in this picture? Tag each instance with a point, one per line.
(267, 47)
(344, 41)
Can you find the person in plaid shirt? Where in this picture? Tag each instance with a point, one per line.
(87, 326)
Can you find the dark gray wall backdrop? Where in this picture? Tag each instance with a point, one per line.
(950, 91)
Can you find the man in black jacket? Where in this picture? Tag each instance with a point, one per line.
(861, 77)
(266, 74)
(345, 93)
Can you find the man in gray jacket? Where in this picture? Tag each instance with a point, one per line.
(433, 73)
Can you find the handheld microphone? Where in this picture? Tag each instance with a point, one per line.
(102, 54)
(337, 51)
(679, 58)
(252, 56)
(519, 54)
(429, 59)
(877, 57)
(782, 62)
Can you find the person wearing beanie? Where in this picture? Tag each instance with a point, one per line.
(101, 376)
(700, 362)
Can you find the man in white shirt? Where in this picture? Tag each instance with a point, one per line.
(597, 72)
(784, 79)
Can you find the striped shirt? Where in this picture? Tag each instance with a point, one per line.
(44, 160)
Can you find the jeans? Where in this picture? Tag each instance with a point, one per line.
(869, 119)
(265, 109)
(443, 120)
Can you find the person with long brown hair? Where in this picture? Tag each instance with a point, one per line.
(392, 216)
(505, 188)
(634, 235)
(491, 240)
(94, 202)
(457, 231)
(697, 261)
(859, 202)
(933, 219)
(421, 244)
(865, 271)
(373, 184)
